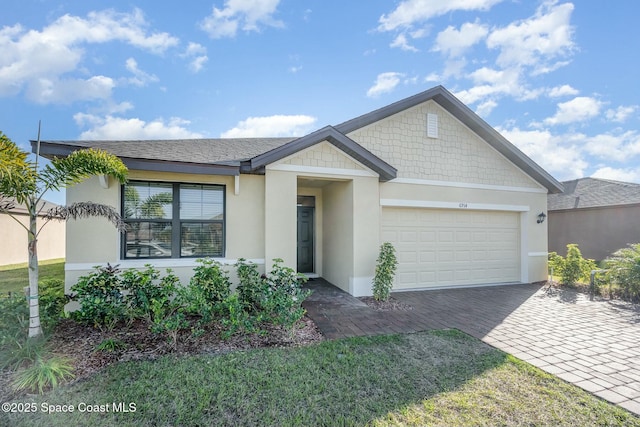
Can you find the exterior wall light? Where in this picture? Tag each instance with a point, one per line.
(541, 217)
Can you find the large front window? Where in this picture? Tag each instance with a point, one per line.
(171, 220)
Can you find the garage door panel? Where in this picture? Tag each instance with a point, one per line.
(438, 247)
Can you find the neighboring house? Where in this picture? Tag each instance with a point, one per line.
(600, 215)
(13, 236)
(456, 199)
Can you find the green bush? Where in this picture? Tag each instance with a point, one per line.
(148, 292)
(385, 272)
(624, 271)
(572, 269)
(14, 318)
(52, 301)
(282, 302)
(100, 297)
(235, 318)
(212, 280)
(251, 287)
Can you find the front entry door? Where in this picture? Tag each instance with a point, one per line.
(305, 239)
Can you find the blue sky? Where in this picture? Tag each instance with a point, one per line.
(557, 78)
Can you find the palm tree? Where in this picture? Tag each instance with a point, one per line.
(21, 181)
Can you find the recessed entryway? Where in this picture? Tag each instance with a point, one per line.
(306, 232)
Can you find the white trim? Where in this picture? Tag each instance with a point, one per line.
(104, 181)
(538, 253)
(435, 288)
(452, 205)
(320, 170)
(524, 246)
(467, 185)
(156, 262)
(236, 185)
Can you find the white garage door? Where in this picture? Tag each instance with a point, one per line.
(445, 247)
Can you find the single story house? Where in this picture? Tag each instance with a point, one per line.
(599, 215)
(458, 201)
(13, 235)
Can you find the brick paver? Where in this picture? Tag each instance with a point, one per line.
(592, 344)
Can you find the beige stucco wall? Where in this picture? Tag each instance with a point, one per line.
(457, 155)
(95, 241)
(598, 231)
(280, 217)
(51, 241)
(339, 236)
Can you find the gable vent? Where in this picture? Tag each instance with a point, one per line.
(432, 125)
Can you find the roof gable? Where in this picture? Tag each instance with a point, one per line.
(470, 119)
(330, 134)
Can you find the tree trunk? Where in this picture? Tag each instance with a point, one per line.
(35, 330)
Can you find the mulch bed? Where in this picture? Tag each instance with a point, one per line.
(78, 343)
(390, 305)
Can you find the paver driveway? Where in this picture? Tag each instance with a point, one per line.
(592, 344)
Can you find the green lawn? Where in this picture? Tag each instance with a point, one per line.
(430, 378)
(15, 277)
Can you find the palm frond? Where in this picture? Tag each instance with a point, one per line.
(86, 210)
(80, 165)
(17, 176)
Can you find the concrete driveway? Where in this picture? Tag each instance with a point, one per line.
(592, 344)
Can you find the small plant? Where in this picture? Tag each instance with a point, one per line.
(385, 272)
(572, 269)
(100, 296)
(52, 301)
(234, 317)
(19, 351)
(111, 345)
(212, 280)
(44, 373)
(624, 271)
(282, 302)
(252, 287)
(168, 321)
(146, 293)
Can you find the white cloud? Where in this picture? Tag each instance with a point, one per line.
(620, 147)
(535, 41)
(272, 126)
(486, 108)
(622, 113)
(579, 109)
(197, 55)
(559, 155)
(39, 60)
(409, 12)
(564, 90)
(453, 42)
(111, 127)
(401, 42)
(140, 78)
(53, 90)
(385, 82)
(624, 175)
(245, 15)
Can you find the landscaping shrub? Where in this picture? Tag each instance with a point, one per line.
(251, 287)
(572, 269)
(235, 318)
(624, 271)
(44, 373)
(385, 272)
(100, 297)
(282, 303)
(212, 280)
(52, 301)
(149, 294)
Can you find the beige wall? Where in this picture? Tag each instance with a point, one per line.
(338, 233)
(457, 155)
(598, 231)
(13, 250)
(95, 242)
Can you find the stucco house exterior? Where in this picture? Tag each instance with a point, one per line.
(13, 235)
(600, 215)
(458, 201)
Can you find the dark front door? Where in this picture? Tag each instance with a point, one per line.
(305, 239)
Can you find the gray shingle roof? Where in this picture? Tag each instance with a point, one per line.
(594, 192)
(229, 151)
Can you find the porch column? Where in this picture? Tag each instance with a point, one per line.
(280, 218)
(366, 234)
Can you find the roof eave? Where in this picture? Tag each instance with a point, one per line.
(385, 171)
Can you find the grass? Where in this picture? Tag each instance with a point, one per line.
(428, 378)
(16, 276)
